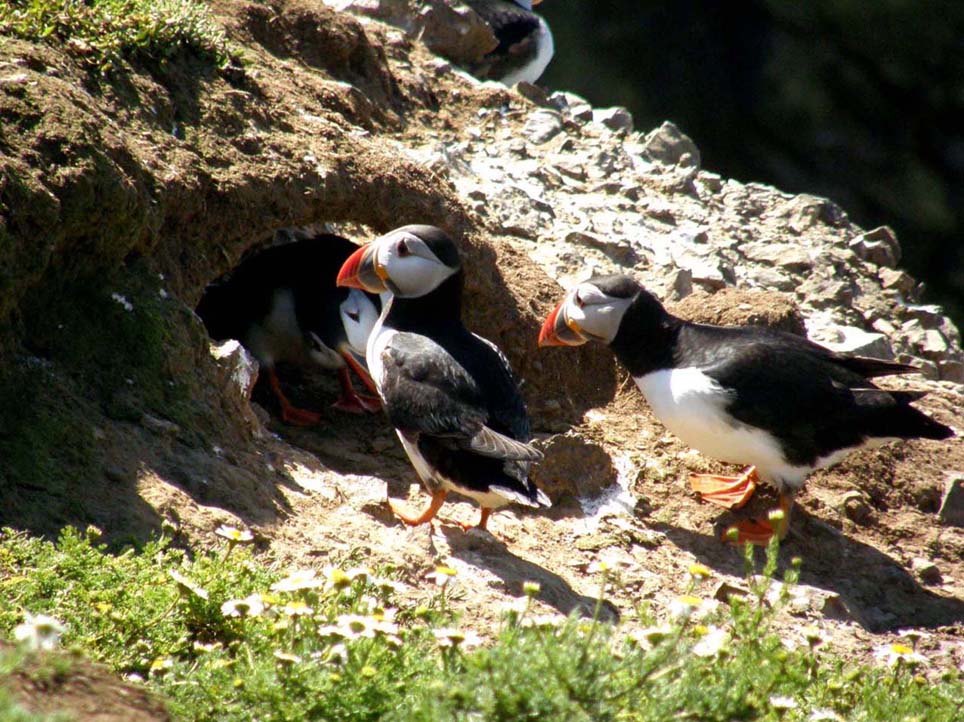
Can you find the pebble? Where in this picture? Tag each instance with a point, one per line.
(951, 512)
(926, 570)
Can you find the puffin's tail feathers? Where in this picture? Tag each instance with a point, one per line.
(533, 495)
(904, 421)
(873, 367)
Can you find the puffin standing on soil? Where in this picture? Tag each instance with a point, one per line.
(449, 393)
(742, 394)
(282, 304)
(525, 42)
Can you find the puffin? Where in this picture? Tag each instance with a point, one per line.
(450, 394)
(525, 42)
(742, 394)
(282, 304)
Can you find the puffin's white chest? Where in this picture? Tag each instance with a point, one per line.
(379, 338)
(693, 406)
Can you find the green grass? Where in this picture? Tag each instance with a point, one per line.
(103, 33)
(158, 614)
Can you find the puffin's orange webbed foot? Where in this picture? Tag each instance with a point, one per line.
(438, 498)
(760, 532)
(730, 492)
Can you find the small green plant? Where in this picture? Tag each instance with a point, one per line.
(102, 33)
(226, 635)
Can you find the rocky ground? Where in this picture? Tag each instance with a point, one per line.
(154, 187)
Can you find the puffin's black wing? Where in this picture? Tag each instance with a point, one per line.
(809, 398)
(427, 391)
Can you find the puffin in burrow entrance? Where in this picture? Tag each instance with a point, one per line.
(450, 394)
(525, 41)
(282, 304)
(742, 394)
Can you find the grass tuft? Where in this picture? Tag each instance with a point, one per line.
(226, 635)
(102, 34)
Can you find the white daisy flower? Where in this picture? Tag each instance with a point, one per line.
(648, 637)
(234, 535)
(711, 643)
(824, 715)
(451, 637)
(298, 581)
(894, 654)
(783, 703)
(39, 632)
(250, 606)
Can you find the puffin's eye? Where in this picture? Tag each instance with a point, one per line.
(578, 301)
(353, 315)
(403, 249)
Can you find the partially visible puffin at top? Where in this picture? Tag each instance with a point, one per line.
(744, 394)
(283, 305)
(525, 42)
(450, 394)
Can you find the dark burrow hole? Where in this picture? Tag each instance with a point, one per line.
(281, 302)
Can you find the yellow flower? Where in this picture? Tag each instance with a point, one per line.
(442, 575)
(699, 571)
(336, 578)
(685, 606)
(531, 589)
(160, 665)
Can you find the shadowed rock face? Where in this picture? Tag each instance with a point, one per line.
(137, 191)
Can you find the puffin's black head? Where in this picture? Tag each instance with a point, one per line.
(594, 310)
(410, 261)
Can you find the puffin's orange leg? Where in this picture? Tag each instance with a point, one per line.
(362, 372)
(760, 532)
(483, 520)
(438, 498)
(731, 492)
(290, 413)
(350, 400)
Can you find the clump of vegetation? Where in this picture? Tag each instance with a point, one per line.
(226, 635)
(103, 33)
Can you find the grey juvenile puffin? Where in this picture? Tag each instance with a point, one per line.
(449, 393)
(525, 42)
(282, 304)
(742, 394)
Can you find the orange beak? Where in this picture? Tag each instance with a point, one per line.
(361, 270)
(557, 332)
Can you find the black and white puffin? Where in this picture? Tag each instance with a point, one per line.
(449, 393)
(282, 304)
(744, 394)
(525, 42)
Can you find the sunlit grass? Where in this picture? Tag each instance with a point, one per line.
(227, 635)
(103, 33)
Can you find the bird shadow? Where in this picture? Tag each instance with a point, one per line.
(482, 549)
(878, 593)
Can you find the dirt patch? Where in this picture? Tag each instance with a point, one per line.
(82, 691)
